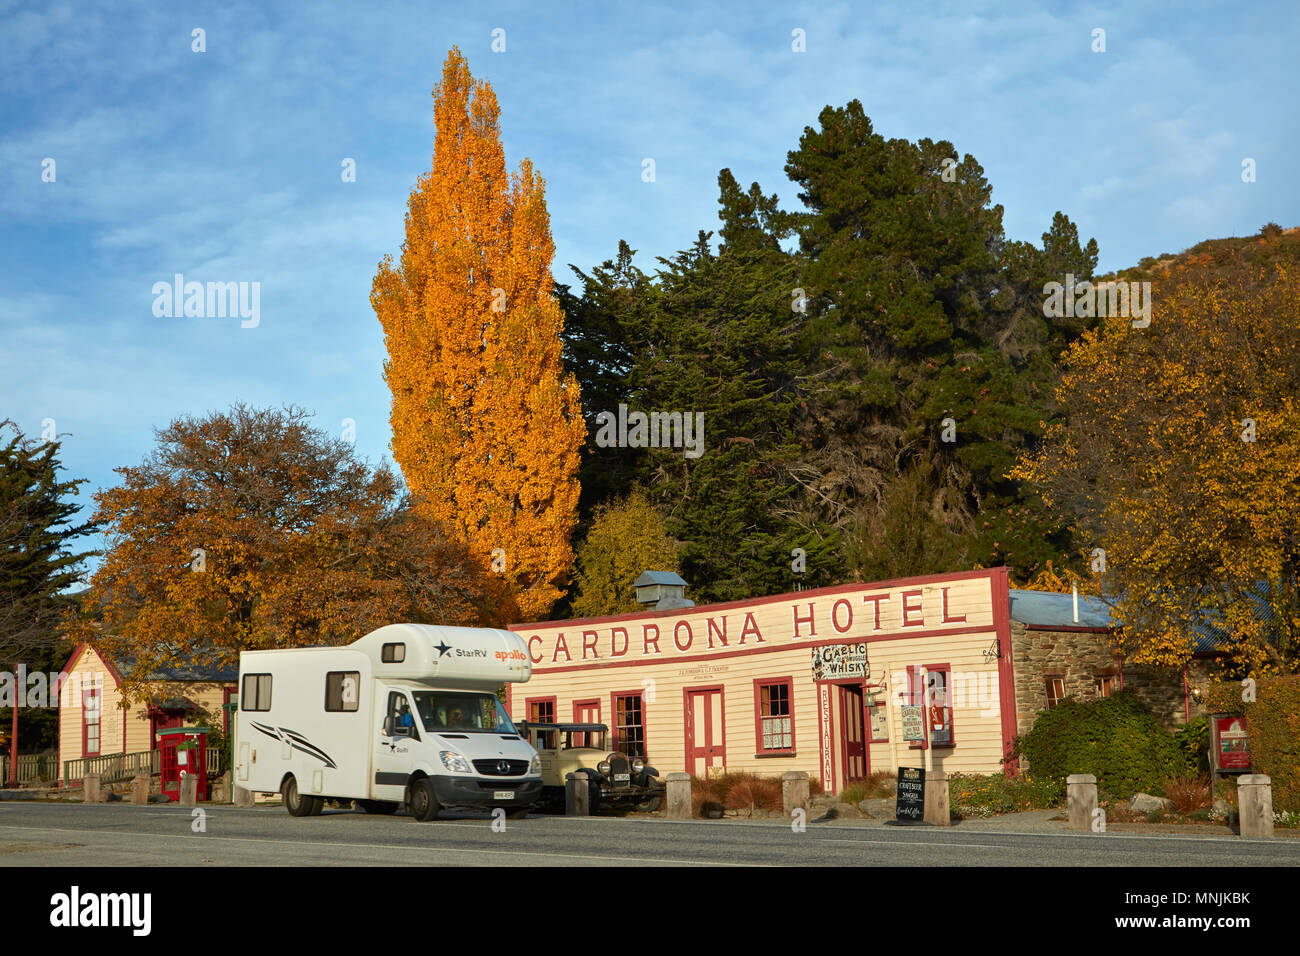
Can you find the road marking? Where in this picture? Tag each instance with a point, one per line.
(424, 848)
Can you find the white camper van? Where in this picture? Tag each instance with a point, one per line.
(407, 714)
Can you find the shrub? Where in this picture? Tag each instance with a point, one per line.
(736, 791)
(1193, 740)
(1273, 721)
(1188, 794)
(1116, 738)
(754, 793)
(985, 795)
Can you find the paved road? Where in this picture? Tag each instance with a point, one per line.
(51, 834)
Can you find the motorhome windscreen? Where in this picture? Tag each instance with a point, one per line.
(461, 713)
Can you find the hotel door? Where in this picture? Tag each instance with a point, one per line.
(705, 732)
(854, 750)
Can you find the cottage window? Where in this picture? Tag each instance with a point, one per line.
(1105, 685)
(775, 715)
(90, 714)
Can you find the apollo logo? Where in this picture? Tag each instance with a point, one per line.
(76, 909)
(511, 656)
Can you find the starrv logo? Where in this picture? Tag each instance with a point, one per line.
(75, 909)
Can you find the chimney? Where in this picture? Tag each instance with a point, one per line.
(662, 589)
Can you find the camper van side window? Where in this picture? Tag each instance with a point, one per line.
(257, 692)
(392, 653)
(342, 691)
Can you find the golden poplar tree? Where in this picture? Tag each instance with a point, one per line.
(486, 424)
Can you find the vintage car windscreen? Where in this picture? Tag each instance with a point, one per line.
(585, 738)
(451, 712)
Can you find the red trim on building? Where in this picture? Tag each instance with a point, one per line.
(1006, 667)
(797, 596)
(578, 705)
(690, 743)
(96, 693)
(773, 648)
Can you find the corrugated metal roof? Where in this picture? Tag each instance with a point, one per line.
(1049, 609)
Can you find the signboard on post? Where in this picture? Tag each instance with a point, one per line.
(840, 662)
(913, 719)
(910, 805)
(1230, 747)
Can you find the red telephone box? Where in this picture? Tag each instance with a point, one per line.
(183, 750)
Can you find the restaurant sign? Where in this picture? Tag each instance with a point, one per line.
(840, 662)
(913, 718)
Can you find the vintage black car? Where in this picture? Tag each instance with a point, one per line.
(616, 781)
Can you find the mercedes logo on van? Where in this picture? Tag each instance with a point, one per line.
(503, 767)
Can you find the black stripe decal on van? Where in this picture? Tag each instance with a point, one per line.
(390, 779)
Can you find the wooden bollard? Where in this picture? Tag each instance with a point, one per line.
(140, 789)
(90, 789)
(189, 790)
(1081, 799)
(577, 795)
(1255, 805)
(679, 796)
(794, 791)
(937, 807)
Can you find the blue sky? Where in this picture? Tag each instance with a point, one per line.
(225, 165)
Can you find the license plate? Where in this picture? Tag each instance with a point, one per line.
(622, 777)
(503, 795)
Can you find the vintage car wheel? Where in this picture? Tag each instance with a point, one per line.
(650, 805)
(296, 803)
(422, 800)
(381, 807)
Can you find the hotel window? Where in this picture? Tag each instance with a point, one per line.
(1105, 685)
(877, 714)
(775, 716)
(938, 705)
(629, 725)
(541, 710)
(1055, 691)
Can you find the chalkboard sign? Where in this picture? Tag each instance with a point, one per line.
(910, 807)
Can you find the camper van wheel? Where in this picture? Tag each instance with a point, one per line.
(296, 803)
(422, 800)
(384, 807)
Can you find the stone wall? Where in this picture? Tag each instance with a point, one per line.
(1080, 658)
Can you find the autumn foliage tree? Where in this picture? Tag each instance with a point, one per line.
(626, 537)
(486, 424)
(1180, 455)
(251, 529)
